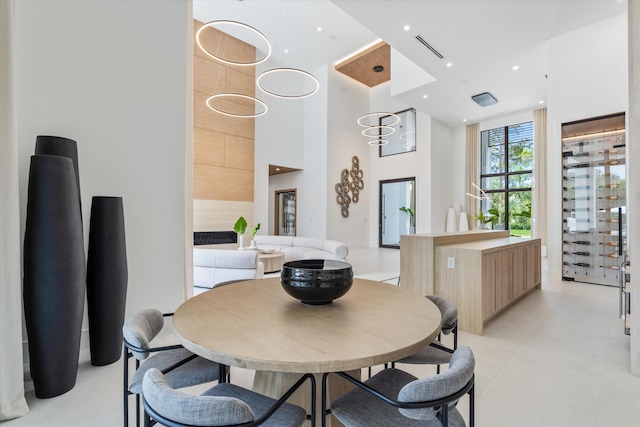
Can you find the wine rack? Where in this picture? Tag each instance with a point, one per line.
(593, 203)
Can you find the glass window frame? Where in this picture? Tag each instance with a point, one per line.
(506, 174)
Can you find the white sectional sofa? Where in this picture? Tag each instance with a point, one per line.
(295, 248)
(214, 266)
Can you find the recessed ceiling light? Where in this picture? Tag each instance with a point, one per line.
(515, 67)
(407, 27)
(464, 120)
(449, 64)
(425, 96)
(277, 169)
(541, 102)
(319, 28)
(286, 51)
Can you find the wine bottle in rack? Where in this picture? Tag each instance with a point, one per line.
(611, 255)
(578, 242)
(613, 197)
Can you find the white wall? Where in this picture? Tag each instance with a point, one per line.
(301, 125)
(348, 100)
(445, 168)
(413, 164)
(279, 140)
(101, 73)
(588, 77)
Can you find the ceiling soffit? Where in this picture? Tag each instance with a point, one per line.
(361, 66)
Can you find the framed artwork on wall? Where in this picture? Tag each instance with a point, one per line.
(403, 140)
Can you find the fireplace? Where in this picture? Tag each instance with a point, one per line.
(214, 237)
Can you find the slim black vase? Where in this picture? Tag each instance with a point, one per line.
(54, 274)
(61, 146)
(106, 279)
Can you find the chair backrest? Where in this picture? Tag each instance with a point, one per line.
(213, 266)
(189, 410)
(439, 386)
(141, 328)
(449, 313)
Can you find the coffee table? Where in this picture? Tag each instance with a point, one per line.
(272, 261)
(256, 325)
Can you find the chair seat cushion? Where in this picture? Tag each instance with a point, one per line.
(286, 415)
(428, 355)
(358, 408)
(196, 371)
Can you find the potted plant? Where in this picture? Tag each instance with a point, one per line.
(240, 228)
(254, 230)
(412, 224)
(485, 220)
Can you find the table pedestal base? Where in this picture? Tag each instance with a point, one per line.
(275, 384)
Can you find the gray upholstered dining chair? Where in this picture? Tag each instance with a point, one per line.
(436, 353)
(394, 398)
(222, 405)
(182, 367)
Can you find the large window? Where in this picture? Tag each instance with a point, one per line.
(506, 177)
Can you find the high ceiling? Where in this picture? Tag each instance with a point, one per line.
(483, 40)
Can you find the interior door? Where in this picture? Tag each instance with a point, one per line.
(397, 210)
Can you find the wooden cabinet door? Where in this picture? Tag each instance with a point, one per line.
(518, 271)
(492, 283)
(532, 265)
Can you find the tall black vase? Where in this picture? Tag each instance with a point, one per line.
(54, 274)
(106, 279)
(60, 146)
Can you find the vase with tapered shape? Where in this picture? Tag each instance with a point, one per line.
(54, 274)
(107, 276)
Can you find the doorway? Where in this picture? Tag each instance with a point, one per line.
(285, 212)
(397, 211)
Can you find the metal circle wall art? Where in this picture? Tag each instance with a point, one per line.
(353, 186)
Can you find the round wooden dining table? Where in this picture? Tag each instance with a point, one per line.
(256, 325)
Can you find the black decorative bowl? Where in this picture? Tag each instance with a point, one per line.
(316, 281)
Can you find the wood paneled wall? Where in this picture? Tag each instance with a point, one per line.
(223, 146)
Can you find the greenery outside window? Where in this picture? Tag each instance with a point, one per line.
(506, 176)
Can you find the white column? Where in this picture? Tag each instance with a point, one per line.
(633, 178)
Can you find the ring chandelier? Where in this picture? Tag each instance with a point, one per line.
(288, 70)
(241, 96)
(388, 127)
(388, 130)
(378, 142)
(212, 24)
(379, 115)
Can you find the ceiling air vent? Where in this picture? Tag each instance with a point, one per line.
(484, 99)
(431, 48)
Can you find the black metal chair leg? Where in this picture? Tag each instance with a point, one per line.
(125, 387)
(323, 407)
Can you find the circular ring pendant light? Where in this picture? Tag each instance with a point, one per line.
(213, 24)
(388, 130)
(378, 142)
(379, 115)
(240, 96)
(288, 70)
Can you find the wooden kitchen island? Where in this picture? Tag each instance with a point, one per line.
(485, 277)
(418, 255)
(490, 271)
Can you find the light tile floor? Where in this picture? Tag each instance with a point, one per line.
(557, 358)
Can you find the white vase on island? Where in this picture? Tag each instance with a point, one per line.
(241, 246)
